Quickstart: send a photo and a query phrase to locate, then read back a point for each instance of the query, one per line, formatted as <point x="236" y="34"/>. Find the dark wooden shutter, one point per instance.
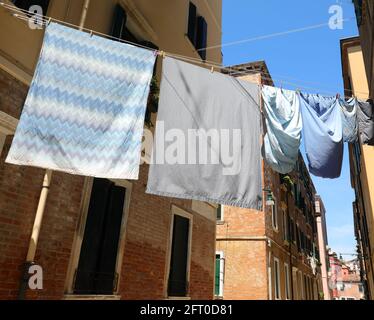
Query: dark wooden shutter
<point x="179" y="258"/>
<point x="26" y="4"/>
<point x="192" y="20"/>
<point x="98" y="257"/>
<point x="106" y="276"/>
<point x="202" y="37"/>
<point x="119" y="22"/>
<point x="90" y="249"/>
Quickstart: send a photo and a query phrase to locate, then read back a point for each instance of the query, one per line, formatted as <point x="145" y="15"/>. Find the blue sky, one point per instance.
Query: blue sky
<point x="309" y="59"/>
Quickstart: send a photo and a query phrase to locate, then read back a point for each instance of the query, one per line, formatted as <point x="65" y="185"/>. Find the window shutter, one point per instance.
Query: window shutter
<point x="192" y="19"/>
<point x="202" y="37"/>
<point x="179" y="258"/>
<point x="110" y="242"/>
<point x="90" y="250"/>
<point x="119" y="21"/>
<point x="218" y="273"/>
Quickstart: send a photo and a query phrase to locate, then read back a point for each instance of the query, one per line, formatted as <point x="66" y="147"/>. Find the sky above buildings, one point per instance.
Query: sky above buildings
<point x="308" y="60"/>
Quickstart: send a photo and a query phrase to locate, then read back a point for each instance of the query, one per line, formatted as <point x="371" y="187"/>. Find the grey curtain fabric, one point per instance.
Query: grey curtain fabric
<point x="193" y="98"/>
<point x="365" y="116"/>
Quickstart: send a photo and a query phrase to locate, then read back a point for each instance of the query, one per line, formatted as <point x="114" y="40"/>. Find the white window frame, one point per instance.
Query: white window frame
<point x="180" y="212"/>
<point x="274" y="216"/>
<point x="79" y="235"/>
<point x="277" y="282"/>
<point x="222" y="273"/>
<point x="287" y="282"/>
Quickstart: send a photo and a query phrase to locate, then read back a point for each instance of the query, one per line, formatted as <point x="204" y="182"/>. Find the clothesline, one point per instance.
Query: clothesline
<point x="87" y="126"/>
<point x="207" y="63"/>
<point x="273" y="35"/>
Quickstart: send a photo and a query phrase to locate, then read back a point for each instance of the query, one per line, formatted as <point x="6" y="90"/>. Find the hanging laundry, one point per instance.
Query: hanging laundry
<point x="207" y="144"/>
<point x="348" y="111"/>
<point x="366" y="121"/>
<point x="284" y="125"/>
<point x="84" y="113"/>
<point x="322" y="134"/>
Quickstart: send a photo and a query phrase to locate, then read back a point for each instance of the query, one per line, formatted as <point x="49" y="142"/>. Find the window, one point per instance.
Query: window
<point x="219" y="277"/>
<point x="298" y="238"/>
<point x="96" y="272"/>
<point x="179" y="259"/>
<point x="292" y="230"/>
<point x="197" y="31"/>
<point x="287" y="281"/>
<point x="286" y="227"/>
<point x="220" y="212"/>
<point x="301" y="286"/>
<point x="277" y="289"/>
<point x="274" y="215"/>
<point x="120" y="30"/>
<point x="306" y="288"/>
<point x="27" y="4"/>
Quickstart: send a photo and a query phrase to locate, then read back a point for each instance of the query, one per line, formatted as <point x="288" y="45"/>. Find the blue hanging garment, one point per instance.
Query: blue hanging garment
<point x="284" y="124"/>
<point x="323" y="134"/>
<point x="348" y="112"/>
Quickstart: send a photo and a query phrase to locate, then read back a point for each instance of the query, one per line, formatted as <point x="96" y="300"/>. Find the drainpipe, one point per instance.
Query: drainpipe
<point x="35" y="235"/>
<point x="42" y="202"/>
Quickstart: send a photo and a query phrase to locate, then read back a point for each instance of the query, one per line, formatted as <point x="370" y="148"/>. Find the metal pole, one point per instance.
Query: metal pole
<point x="35" y="234"/>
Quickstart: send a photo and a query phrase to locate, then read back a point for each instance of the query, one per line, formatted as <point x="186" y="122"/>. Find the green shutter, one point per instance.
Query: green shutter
<point x="218" y="273"/>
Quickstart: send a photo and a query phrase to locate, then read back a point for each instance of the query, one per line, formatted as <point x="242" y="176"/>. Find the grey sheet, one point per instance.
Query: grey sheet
<point x="192" y="97"/>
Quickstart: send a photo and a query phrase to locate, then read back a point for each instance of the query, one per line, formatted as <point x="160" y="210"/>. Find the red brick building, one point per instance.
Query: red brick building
<point x="273" y="253"/>
<point x="101" y="239"/>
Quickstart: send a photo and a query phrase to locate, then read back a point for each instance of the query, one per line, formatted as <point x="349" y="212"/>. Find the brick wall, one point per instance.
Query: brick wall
<point x="245" y="270"/>
<point x="143" y="272"/>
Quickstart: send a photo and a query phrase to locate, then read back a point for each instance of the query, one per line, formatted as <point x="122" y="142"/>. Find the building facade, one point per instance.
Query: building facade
<point x="270" y="254"/>
<point x="345" y="279"/>
<point x="323" y="245"/>
<point x="361" y="163"/>
<point x="102" y="239"/>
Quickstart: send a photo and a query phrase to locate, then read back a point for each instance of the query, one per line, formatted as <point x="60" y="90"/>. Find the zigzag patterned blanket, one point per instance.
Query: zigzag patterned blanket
<point x="84" y="113"/>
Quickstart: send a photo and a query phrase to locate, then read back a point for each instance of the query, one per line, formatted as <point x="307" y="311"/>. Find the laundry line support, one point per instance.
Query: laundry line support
<point x="30" y="259"/>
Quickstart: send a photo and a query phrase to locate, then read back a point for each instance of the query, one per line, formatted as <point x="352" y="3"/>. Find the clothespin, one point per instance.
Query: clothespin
<point x="338" y="96"/>
<point x="49" y="21"/>
<point x="212" y="70"/>
<point x="161" y="54"/>
<point x="91" y="33"/>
